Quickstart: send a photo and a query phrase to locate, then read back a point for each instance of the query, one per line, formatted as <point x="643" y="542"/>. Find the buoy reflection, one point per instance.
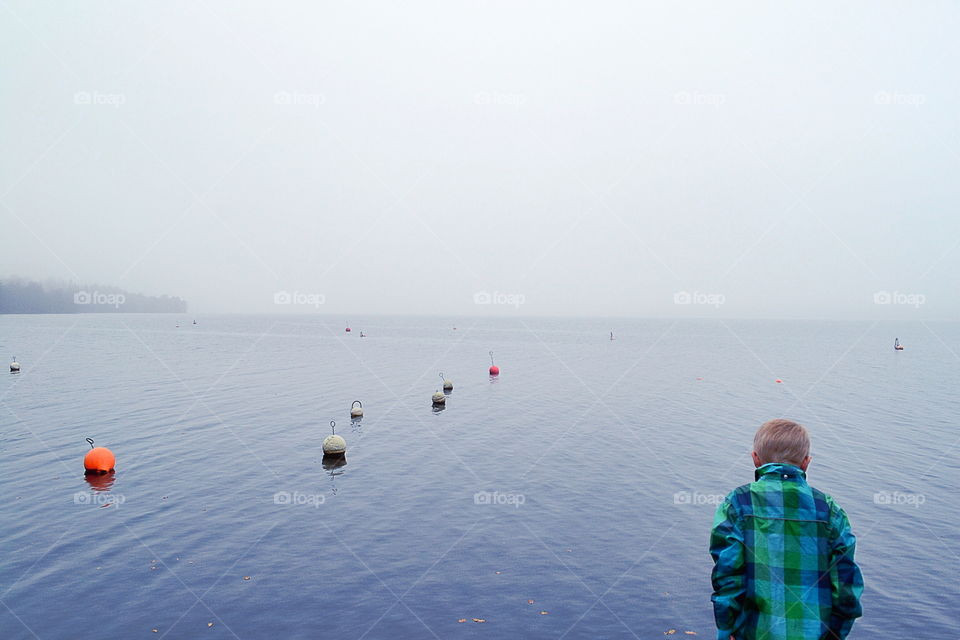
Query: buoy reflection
<point x="100" y="481"/>
<point x="331" y="463"/>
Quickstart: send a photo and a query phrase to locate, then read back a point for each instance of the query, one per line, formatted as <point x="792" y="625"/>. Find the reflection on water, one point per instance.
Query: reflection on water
<point x="333" y="465"/>
<point x="100" y="481"/>
<point x="356" y="427"/>
<point x="437" y="408"/>
<point x="330" y="463"/>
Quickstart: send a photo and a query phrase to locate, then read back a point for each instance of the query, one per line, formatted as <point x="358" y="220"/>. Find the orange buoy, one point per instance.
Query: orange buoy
<point x="98" y="459"/>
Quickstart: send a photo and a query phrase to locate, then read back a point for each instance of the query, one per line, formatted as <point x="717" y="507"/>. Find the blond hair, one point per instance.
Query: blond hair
<point x="781" y="440"/>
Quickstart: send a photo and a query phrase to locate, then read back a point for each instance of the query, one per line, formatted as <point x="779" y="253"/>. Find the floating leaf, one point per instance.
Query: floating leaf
<point x="462" y="620"/>
<point x="669" y="632"/>
<point x="246" y="577"/>
<point x="479" y="620"/>
<point x="690" y="633"/>
<point x="529" y="601"/>
<point x="209" y="624"/>
<point x="155" y="630"/>
<point x="544" y="613"/>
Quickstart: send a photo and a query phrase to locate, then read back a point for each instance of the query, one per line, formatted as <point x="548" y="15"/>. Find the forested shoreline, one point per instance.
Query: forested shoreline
<point x="19" y="295"/>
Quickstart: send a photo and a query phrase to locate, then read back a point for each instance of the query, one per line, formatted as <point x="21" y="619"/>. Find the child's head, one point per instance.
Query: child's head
<point x="781" y="441"/>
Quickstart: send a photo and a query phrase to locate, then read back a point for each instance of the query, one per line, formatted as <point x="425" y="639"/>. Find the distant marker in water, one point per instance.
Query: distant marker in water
<point x="447" y="384"/>
<point x="334" y="446"/>
<point x="494" y="369"/>
<point x="348" y="327"/>
<point x="14" y="366"/>
<point x="356" y="409"/>
<point x="98" y="460"/>
<point x="439" y="398"/>
<point x="778" y="381"/>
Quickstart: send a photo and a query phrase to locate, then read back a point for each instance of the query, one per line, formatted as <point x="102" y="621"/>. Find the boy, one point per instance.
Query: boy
<point x="782" y="550"/>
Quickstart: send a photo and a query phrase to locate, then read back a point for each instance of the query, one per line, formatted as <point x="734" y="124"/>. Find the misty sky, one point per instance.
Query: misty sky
<point x="584" y="158"/>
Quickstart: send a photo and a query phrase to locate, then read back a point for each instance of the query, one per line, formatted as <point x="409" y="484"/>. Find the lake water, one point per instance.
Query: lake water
<point x="583" y="478"/>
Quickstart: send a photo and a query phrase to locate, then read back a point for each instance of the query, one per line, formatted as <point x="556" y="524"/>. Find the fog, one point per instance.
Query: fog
<point x="594" y="159"/>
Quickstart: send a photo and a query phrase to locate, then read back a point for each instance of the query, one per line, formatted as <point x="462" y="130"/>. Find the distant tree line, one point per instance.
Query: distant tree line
<point x="18" y="295"/>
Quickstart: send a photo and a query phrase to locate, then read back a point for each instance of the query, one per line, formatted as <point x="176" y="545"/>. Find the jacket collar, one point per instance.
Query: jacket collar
<point x="780" y="469"/>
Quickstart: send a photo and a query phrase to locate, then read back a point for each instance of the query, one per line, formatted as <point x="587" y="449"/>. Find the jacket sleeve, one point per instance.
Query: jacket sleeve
<point x="846" y="581"/>
<point x="726" y="547"/>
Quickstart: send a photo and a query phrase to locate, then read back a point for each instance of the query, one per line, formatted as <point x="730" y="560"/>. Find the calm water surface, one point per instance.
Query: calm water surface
<point x="584" y="478"/>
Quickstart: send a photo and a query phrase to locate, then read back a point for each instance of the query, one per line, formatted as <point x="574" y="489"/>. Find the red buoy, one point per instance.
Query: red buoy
<point x="494" y="369"/>
<point x="98" y="459"/>
<point x="348" y="329"/>
<point x="778" y="380"/>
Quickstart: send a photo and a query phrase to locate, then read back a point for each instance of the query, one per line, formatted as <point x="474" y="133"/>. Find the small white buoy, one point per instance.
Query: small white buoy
<point x="439" y="398"/>
<point x="356" y="409"/>
<point x="14" y="366"/>
<point x="334" y="445"/>
<point x="447" y="384"/>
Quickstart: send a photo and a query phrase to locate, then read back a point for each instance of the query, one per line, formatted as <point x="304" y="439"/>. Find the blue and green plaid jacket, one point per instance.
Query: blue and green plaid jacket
<point x="783" y="561"/>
